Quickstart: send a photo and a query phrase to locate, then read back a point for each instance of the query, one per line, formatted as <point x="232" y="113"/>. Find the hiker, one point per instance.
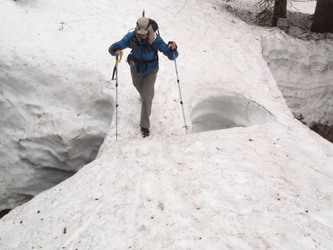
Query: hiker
<point x="143" y="60"/>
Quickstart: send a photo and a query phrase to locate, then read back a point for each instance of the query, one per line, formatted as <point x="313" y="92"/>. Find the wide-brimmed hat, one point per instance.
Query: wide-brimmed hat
<point x="142" y="26"/>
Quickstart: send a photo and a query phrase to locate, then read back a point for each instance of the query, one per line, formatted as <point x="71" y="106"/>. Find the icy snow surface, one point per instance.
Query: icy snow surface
<point x="247" y="175"/>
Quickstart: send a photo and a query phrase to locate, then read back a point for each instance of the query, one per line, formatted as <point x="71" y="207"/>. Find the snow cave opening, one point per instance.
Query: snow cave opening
<point x="227" y="111"/>
<point x="45" y="158"/>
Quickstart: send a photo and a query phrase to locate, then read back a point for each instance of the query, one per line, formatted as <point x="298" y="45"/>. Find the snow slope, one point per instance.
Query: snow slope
<point x="264" y="182"/>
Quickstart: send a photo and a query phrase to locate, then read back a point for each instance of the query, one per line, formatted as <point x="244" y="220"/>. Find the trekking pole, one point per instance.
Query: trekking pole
<point x="180" y="92"/>
<point x="119" y="55"/>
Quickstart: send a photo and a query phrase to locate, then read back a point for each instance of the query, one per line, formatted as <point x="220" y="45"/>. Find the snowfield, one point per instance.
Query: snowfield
<point x="244" y="175"/>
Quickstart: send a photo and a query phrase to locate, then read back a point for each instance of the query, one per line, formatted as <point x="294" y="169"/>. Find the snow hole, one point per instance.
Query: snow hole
<point x="48" y="132"/>
<point x="223" y="112"/>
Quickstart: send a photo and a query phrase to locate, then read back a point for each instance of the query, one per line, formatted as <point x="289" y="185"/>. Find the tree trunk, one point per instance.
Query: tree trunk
<point x="323" y="17"/>
<point x="280" y="11"/>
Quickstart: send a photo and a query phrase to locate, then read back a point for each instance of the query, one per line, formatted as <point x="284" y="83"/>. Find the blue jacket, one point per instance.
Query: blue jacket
<point x="144" y="55"/>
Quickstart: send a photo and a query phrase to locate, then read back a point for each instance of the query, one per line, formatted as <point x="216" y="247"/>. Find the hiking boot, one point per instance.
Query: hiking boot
<point x="144" y="132"/>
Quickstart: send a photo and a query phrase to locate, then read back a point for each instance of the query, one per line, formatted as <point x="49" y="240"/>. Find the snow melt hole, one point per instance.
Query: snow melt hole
<point x="43" y="158"/>
<point x="223" y="112"/>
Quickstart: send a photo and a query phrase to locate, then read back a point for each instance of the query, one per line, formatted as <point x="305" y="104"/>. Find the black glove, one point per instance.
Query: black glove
<point x="115" y="49"/>
<point x="169" y="44"/>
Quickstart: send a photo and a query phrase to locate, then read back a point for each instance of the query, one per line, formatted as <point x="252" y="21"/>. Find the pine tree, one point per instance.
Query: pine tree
<point x="271" y="11"/>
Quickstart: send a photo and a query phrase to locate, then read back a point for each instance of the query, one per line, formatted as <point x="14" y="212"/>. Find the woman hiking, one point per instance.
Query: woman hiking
<point x="143" y="60"/>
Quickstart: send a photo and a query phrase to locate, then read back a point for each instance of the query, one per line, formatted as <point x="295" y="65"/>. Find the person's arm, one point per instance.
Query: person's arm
<point x="122" y="44"/>
<point x="168" y="50"/>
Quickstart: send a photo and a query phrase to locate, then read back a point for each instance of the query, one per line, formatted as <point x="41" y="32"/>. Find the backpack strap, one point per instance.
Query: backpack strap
<point x="135" y="44"/>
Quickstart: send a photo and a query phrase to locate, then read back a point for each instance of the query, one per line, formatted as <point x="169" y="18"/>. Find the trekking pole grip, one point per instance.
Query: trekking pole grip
<point x="119" y="55"/>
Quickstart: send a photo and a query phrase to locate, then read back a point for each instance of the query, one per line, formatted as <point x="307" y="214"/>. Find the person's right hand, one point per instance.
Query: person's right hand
<point x="115" y="49"/>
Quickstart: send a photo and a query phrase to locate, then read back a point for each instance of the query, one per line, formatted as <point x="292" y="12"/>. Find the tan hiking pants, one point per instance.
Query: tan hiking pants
<point x="144" y="83"/>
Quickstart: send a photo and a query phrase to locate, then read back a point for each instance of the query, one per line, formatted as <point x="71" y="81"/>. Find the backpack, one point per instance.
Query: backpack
<point x="134" y="42"/>
<point x="154" y="25"/>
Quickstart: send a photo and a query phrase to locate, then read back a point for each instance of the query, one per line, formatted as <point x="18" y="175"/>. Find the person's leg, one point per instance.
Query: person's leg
<point x="147" y="95"/>
<point x="137" y="80"/>
<point x="145" y="86"/>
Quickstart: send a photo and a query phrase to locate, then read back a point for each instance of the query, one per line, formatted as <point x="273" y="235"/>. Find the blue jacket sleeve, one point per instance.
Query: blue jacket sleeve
<point x="123" y="43"/>
<point x="165" y="49"/>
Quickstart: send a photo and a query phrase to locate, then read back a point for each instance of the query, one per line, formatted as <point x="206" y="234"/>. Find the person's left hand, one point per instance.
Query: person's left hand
<point x="173" y="46"/>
